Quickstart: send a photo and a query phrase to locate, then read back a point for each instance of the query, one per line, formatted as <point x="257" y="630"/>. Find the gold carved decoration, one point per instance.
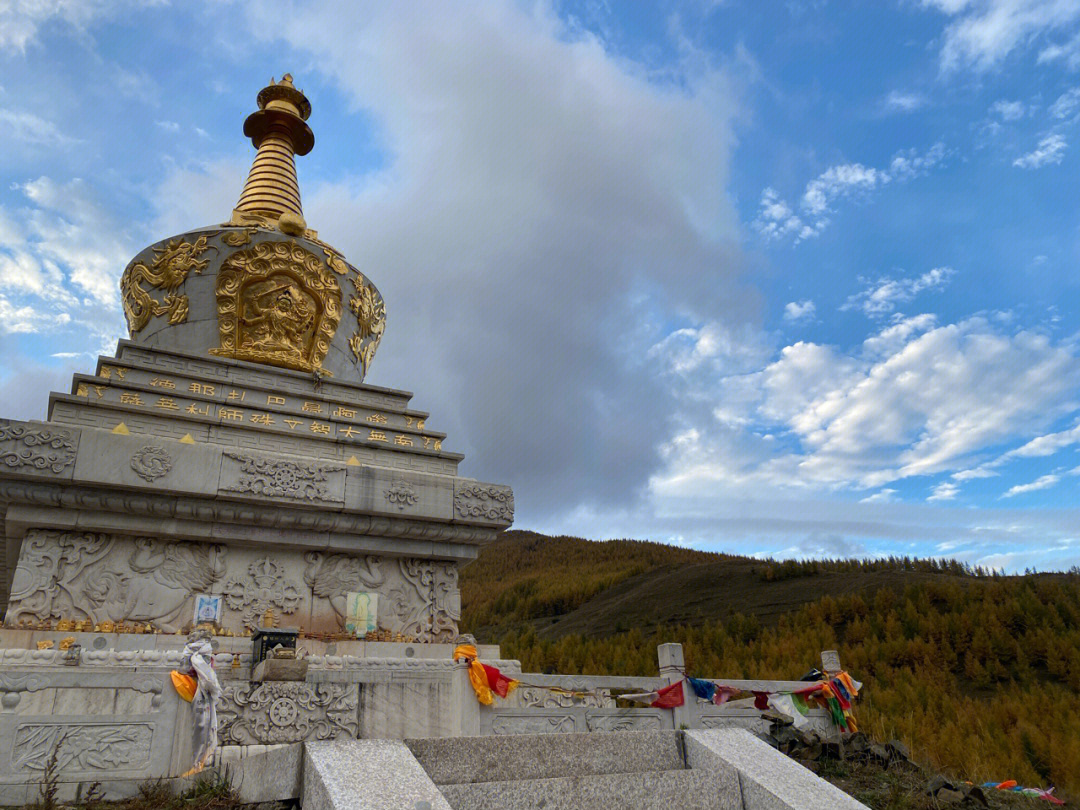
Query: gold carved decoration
<point x="238" y="238"/>
<point x="277" y="304"/>
<point x="337" y="264"/>
<point x="167" y="272"/>
<point x="370" y="311"/>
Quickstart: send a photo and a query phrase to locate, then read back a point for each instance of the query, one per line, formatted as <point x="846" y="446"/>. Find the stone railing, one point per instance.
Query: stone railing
<point x="589" y="703"/>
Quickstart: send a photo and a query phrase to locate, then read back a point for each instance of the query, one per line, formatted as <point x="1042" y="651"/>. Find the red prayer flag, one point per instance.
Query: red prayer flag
<point x="669" y="697"/>
<point x="499" y="683"/>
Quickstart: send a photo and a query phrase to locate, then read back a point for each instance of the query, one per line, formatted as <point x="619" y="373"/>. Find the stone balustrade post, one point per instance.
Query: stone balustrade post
<point x="672" y="670"/>
<point x="466" y="720"/>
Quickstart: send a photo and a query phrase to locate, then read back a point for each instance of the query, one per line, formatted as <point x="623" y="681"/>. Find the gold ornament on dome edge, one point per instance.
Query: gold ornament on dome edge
<point x="167" y="272"/>
<point x="370" y="311"/>
<point x="277" y="304"/>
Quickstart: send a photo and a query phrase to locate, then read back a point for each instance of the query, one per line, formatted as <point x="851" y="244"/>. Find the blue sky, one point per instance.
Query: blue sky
<point x="786" y="278"/>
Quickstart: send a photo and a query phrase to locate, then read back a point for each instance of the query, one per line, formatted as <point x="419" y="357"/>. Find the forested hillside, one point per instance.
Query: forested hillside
<point x="978" y="674"/>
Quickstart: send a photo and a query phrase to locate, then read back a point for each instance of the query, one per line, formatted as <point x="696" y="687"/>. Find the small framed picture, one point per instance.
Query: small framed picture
<point x="361" y="613"/>
<point x="207" y="609"/>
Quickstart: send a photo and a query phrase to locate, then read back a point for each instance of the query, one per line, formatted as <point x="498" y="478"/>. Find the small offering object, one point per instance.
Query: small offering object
<point x="45" y="645"/>
<point x="65" y="643"/>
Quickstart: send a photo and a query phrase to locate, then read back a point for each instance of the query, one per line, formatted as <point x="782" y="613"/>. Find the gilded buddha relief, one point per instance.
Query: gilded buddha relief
<point x="278" y="304"/>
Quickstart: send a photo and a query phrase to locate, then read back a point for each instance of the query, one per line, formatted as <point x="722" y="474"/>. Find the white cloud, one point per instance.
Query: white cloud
<point x="983" y="32"/>
<point x="882" y="296"/>
<point x="1050" y="150"/>
<point x="168" y="126"/>
<point x="1042" y="482"/>
<point x="778" y="220"/>
<point x="1066" y="104"/>
<point x="1008" y="110"/>
<point x="918" y="400"/>
<point x="574" y="204"/>
<point x="20" y="20"/>
<point x="884" y="495"/>
<point x="1067" y="52"/>
<point x="898" y="101"/>
<point x="944" y="491"/>
<point x="799" y="310"/>
<point x="28" y="128"/>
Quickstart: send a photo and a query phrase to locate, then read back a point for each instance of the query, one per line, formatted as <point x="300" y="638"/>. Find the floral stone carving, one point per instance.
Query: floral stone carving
<point x="43" y="448"/>
<point x="151" y="462"/>
<point x="282" y="479"/>
<point x="265" y="588"/>
<point x="489" y="503"/>
<point x="401" y="494"/>
<point x="286" y="712"/>
<point x="97" y="748"/>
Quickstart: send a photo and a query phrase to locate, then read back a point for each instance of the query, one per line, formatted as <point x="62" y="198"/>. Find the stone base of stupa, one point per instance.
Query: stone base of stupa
<point x="169" y="483"/>
<point x="112" y="716"/>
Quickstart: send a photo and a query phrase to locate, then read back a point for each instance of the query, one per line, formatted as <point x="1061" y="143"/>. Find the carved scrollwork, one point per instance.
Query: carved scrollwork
<point x="167" y="272"/>
<point x="401" y="494"/>
<point x="151" y="462"/>
<point x="265" y="588"/>
<point x="284" y="712"/>
<point x="487" y="502"/>
<point x="238" y="237"/>
<point x="428" y="605"/>
<point x="80" y="747"/>
<point x="43" y="448"/>
<point x="277" y="304"/>
<point x="548" y="699"/>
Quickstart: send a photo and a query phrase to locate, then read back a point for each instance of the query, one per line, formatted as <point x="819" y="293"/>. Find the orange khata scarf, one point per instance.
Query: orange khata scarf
<point x="486" y="681"/>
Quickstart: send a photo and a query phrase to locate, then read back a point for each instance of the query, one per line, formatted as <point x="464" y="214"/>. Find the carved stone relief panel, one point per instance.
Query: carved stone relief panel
<point x="273" y="477"/>
<point x="73" y="575"/>
<point x="44" y="448"/>
<point x="286" y="711"/>
<point x="265" y="585"/>
<point x="97" y="748"/>
<point x="485" y="502"/>
<point x="417" y="598"/>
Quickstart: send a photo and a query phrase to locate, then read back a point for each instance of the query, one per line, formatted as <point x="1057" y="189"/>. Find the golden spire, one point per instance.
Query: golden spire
<point x="278" y="131"/>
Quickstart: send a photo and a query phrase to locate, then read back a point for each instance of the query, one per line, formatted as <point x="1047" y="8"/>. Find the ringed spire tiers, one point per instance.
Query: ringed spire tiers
<point x="279" y="131"/>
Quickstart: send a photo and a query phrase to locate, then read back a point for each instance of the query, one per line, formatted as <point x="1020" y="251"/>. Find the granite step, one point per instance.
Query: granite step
<point x="650" y="790"/>
<point x="500" y="758"/>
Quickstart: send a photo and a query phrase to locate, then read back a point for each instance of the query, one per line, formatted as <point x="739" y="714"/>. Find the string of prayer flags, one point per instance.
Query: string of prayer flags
<point x="713" y="692"/>
<point x="785" y="704"/>
<point x="667" y="698"/>
<point x="486" y="681"/>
